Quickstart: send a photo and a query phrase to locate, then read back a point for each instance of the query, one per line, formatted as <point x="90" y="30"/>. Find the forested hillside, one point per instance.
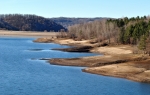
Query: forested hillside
<point x="64" y="21"/>
<point x="28" y="23"/>
<point x="134" y="31"/>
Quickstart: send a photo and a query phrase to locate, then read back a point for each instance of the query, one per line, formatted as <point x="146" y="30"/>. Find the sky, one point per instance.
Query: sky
<point x="77" y="8"/>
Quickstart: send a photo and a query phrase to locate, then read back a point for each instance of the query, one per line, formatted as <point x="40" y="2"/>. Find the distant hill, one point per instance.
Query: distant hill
<point x="65" y="22"/>
<point x="28" y="23"/>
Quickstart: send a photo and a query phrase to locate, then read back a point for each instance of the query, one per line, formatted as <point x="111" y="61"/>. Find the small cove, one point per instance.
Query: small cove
<point x="20" y="75"/>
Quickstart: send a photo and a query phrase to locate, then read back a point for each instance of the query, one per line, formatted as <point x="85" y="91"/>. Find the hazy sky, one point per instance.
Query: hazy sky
<point x="77" y="8"/>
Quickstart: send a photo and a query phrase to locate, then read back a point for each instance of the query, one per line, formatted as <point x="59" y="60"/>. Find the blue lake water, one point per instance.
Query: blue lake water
<point x="20" y="75"/>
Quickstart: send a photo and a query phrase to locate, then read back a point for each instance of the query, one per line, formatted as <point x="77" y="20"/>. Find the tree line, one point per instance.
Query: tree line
<point x="134" y="31"/>
<point x="21" y="22"/>
<point x="101" y="30"/>
<point x="66" y="21"/>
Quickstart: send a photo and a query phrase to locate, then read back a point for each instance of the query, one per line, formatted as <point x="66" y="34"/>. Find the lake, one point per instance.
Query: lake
<point x="22" y="73"/>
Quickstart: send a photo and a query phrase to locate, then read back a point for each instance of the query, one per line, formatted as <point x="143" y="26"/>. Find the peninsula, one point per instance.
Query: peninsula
<point x="116" y="61"/>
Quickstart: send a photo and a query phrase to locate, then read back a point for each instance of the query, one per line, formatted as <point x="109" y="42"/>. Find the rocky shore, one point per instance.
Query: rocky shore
<point x="117" y="61"/>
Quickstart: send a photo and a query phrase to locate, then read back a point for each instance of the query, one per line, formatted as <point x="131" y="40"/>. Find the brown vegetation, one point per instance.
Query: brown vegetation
<point x="18" y="22"/>
<point x="121" y="40"/>
<point x="134" y="70"/>
<point x="118" y="61"/>
<point x="101" y="30"/>
<point x="76" y="49"/>
<point x="95" y="61"/>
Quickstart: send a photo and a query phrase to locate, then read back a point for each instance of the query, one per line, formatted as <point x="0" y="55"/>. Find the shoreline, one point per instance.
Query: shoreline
<point x="4" y="33"/>
<point x="117" y="61"/>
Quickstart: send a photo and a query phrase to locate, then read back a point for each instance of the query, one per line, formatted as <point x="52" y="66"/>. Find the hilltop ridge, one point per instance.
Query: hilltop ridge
<point x="20" y="22"/>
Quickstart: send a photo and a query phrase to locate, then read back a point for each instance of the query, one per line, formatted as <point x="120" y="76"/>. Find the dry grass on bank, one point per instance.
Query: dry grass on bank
<point x="117" y="61"/>
<point x="27" y="34"/>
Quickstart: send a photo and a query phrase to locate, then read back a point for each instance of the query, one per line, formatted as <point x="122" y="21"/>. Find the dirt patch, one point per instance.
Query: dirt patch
<point x="131" y="70"/>
<point x="44" y="40"/>
<point x="123" y="49"/>
<point x="94" y="60"/>
<point x="76" y="49"/>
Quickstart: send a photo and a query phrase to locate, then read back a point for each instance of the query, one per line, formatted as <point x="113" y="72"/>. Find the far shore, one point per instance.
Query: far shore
<point x="117" y="60"/>
<point x="5" y="33"/>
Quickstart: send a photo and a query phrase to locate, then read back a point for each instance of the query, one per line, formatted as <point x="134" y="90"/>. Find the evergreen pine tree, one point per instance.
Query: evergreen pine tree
<point x="142" y="43"/>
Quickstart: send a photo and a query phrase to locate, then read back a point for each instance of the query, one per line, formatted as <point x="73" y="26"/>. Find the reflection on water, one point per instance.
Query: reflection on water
<point x="21" y="73"/>
<point x="35" y="49"/>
